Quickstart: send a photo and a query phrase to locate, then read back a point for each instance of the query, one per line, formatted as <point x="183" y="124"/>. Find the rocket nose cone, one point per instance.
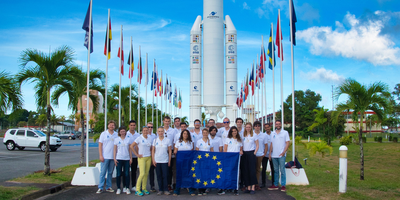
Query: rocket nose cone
<point x="196" y="25"/>
<point x="229" y="24"/>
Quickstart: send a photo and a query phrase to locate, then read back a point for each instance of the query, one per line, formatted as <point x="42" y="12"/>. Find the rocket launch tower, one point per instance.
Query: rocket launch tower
<point x="207" y="49"/>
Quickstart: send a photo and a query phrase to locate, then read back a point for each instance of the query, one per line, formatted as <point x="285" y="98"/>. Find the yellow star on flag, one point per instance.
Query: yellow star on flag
<point x="195" y="162"/>
<point x="212" y="181"/>
<point x="193" y="169"/>
<point x="199" y="157"/>
<point x="218" y="176"/>
<point x="219" y="163"/>
<point x="205" y="183"/>
<point x="207" y="155"/>
<point x="198" y="181"/>
<point x="219" y="170"/>
<point x="194" y="175"/>
<point x="214" y="158"/>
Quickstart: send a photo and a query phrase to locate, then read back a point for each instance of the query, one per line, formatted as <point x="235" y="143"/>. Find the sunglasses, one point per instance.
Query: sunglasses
<point x="226" y="122"/>
<point x="197" y="123"/>
<point x="149" y="127"/>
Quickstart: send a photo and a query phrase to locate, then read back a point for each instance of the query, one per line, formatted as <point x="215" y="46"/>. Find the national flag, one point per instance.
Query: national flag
<point x="121" y="54"/>
<point x="156" y="83"/>
<point x="257" y="82"/>
<point x="139" y="78"/>
<point x="176" y="97"/>
<point x="131" y="62"/>
<point x="166" y="88"/>
<point x="146" y="73"/>
<point x="160" y="86"/>
<point x="241" y="94"/>
<point x="269" y="51"/>
<point x="294" y="20"/>
<point x="263" y="58"/>
<point x="246" y="87"/>
<point x="85" y="27"/>
<point x="170" y="91"/>
<point x="203" y="169"/>
<point x="278" y="39"/>
<point x="252" y="80"/>
<point x="108" y="30"/>
<point x="180" y="100"/>
<point x="153" y="78"/>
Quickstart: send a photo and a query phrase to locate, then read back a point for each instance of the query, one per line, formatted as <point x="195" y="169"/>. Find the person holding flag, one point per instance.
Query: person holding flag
<point x="234" y="144"/>
<point x="183" y="144"/>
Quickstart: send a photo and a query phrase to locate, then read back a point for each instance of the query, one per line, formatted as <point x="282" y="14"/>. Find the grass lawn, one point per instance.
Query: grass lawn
<point x="381" y="162"/>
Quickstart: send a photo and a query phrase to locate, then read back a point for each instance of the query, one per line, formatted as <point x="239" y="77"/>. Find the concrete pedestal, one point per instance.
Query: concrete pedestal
<point x="86" y="176"/>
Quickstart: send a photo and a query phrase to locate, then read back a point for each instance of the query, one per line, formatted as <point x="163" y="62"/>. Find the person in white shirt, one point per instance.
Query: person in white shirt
<point x="177" y="124"/>
<point x="184" y="143"/>
<point x="106" y="149"/>
<point x="170" y="134"/>
<point x="122" y="159"/>
<point x="223" y="132"/>
<point x="216" y="142"/>
<point x="144" y="143"/>
<point x="262" y="150"/>
<point x="132" y="135"/>
<point x="161" y="154"/>
<point x="183" y="126"/>
<point x="250" y="148"/>
<point x="265" y="161"/>
<point x="204" y="144"/>
<point x="152" y="168"/>
<point x="210" y="123"/>
<point x="233" y="144"/>
<point x="239" y="125"/>
<point x="277" y="153"/>
<point x="196" y="133"/>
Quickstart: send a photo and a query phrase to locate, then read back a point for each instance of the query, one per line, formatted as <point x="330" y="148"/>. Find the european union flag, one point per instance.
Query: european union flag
<point x="203" y="169"/>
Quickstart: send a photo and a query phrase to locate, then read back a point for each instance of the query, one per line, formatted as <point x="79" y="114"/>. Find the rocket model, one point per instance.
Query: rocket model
<point x="211" y="55"/>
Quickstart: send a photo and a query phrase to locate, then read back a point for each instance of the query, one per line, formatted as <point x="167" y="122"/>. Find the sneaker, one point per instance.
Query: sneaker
<point x="247" y="191"/>
<point x="175" y="194"/>
<point x="109" y="190"/>
<point x="257" y="187"/>
<point x="252" y="192"/>
<point x="221" y="192"/>
<point x="159" y="193"/>
<point x="236" y="193"/>
<point x="169" y="188"/>
<point x="167" y="193"/>
<point x="123" y="190"/>
<point x="193" y="194"/>
<point x="118" y="191"/>
<point x="99" y="191"/>
<point x="204" y="193"/>
<point x="207" y="190"/>
<point x="283" y="189"/>
<point x="134" y="189"/>
<point x="273" y="187"/>
<point x="199" y="194"/>
<point x="152" y="189"/>
<point x="138" y="193"/>
<point x="128" y="191"/>
<point x="146" y="192"/>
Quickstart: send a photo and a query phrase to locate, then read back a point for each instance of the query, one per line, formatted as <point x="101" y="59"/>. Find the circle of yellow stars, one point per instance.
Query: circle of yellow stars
<point x="212" y="181"/>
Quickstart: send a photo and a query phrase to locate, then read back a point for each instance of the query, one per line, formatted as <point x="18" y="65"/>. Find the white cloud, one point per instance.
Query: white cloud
<point x="324" y="75"/>
<point x="245" y="6"/>
<point x="363" y="41"/>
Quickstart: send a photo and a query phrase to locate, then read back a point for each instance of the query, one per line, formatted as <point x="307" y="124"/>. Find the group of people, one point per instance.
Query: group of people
<point x="127" y="150"/>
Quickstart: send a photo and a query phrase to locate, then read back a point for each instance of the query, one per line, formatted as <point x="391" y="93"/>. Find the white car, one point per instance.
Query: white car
<point x="24" y="137"/>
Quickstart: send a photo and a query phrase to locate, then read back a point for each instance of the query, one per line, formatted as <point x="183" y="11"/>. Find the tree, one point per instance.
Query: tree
<point x="41" y="120"/>
<point x="319" y="147"/>
<point x="51" y="71"/>
<point x="320" y="120"/>
<point x="17" y="116"/>
<point x="185" y="119"/>
<point x="113" y="103"/>
<point x="54" y="120"/>
<point x="360" y="99"/>
<point x="10" y="93"/>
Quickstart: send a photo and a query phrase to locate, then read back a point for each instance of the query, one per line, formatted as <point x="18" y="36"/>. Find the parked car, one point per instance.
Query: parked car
<point x="24" y="137"/>
<point x="66" y="135"/>
<point x="78" y="134"/>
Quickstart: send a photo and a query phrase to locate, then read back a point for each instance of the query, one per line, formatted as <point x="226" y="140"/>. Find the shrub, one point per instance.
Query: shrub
<point x="346" y="140"/>
<point x="390" y="137"/>
<point x="376" y="138"/>
<point x="380" y="139"/>
<point x="395" y="139"/>
<point x="364" y="139"/>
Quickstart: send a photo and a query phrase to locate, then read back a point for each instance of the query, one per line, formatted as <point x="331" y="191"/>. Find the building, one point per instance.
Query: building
<point x="368" y="125"/>
<point x="91" y="113"/>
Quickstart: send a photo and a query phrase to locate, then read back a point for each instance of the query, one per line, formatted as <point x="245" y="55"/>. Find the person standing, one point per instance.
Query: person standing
<point x="262" y="148"/>
<point x="183" y="144"/>
<point x="265" y="161"/>
<point x="177" y="125"/>
<point x="216" y="142"/>
<point x="239" y="125"/>
<point x="233" y="144"/>
<point x="122" y="159"/>
<point x="277" y="153"/>
<point x="144" y="160"/>
<point x="152" y="168"/>
<point x="250" y="148"/>
<point x="161" y="154"/>
<point x="223" y="132"/>
<point x="106" y="149"/>
<point x="196" y="132"/>
<point x="170" y="134"/>
<point x="132" y="135"/>
<point x="204" y="144"/>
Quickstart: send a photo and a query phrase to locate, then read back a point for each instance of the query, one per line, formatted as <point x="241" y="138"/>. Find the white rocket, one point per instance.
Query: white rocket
<point x="213" y="26"/>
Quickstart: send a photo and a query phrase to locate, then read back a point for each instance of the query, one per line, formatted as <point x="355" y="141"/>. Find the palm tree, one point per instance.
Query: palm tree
<point x="185" y="119"/>
<point x="41" y="120"/>
<point x="360" y="99"/>
<point x="113" y="103"/>
<point x="10" y="93"/>
<point x="54" y="120"/>
<point x="320" y="120"/>
<point x="319" y="147"/>
<point x="51" y="71"/>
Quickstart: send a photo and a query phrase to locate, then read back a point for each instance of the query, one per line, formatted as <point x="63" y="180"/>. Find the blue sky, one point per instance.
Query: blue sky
<point x="335" y="41"/>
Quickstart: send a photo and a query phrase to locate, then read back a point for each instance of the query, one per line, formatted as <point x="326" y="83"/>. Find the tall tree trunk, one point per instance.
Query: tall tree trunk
<point x="47" y="151"/>
<point x="361" y="148"/>
<point x="81" y="163"/>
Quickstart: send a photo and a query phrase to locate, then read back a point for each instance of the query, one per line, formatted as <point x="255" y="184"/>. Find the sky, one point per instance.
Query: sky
<point x="345" y="39"/>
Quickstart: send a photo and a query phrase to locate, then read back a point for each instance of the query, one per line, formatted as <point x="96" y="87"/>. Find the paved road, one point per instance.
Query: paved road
<point x="19" y="163"/>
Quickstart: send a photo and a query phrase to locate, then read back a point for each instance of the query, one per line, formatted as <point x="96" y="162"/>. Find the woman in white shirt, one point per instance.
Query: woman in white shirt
<point x="161" y="154"/>
<point x="122" y="159"/>
<point x="250" y="148"/>
<point x="183" y="144"/>
<point x="144" y="160"/>
<point x="233" y="143"/>
<point x="204" y="144"/>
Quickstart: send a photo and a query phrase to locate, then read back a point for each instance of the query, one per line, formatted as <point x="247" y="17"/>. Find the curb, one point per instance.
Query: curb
<point x="47" y="191"/>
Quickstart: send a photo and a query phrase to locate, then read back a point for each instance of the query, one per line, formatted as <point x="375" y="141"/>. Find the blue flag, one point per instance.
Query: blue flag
<point x="294" y="20"/>
<point x="86" y="28"/>
<point x="269" y="51"/>
<point x="202" y="169"/>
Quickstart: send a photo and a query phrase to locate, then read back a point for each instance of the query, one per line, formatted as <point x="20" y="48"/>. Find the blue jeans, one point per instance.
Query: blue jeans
<point x="123" y="164"/>
<point x="178" y="191"/>
<point x="162" y="175"/>
<point x="106" y="167"/>
<point x="279" y="165"/>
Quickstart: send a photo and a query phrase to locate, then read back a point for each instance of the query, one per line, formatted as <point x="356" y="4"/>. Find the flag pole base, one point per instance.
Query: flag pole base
<point x="86" y="176"/>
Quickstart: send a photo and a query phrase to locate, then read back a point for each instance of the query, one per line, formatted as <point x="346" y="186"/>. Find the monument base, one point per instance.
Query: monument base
<point x="86" y="176"/>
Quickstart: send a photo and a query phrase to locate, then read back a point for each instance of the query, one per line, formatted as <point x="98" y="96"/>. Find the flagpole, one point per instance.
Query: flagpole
<point x="130" y="90"/>
<point x="87" y="85"/>
<point x="262" y="86"/>
<point x="152" y="94"/>
<point x="165" y="94"/>
<point x="160" y="92"/>
<point x="273" y="76"/>
<point x="281" y="53"/>
<point x="293" y="105"/>
<point x="139" y="81"/>
<point x="106" y="87"/>
<point x="147" y="76"/>
<point x="253" y="92"/>
<point x="258" y="91"/>
<point x="119" y="92"/>
<point x="156" y="93"/>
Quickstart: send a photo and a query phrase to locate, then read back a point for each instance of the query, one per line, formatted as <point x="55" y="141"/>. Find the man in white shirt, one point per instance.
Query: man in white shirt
<point x="277" y="153"/>
<point x="196" y="134"/>
<point x="239" y="125"/>
<point x="170" y="134"/>
<point x="106" y="156"/>
<point x="262" y="148"/>
<point x="223" y="132"/>
<point x="177" y="124"/>
<point x="132" y="135"/>
<point x="211" y="122"/>
<point x="216" y="142"/>
<point x="267" y="129"/>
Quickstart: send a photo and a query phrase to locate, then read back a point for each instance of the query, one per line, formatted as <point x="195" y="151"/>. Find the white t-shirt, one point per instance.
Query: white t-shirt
<point x="177" y="136"/>
<point x="170" y="134"/>
<point x="268" y="137"/>
<point x="279" y="142"/>
<point x="196" y="137"/>
<point x="107" y="140"/>
<point x="184" y="146"/>
<point x="161" y="150"/>
<point x="241" y="133"/>
<point x="249" y="142"/>
<point x="132" y="137"/>
<point x="144" y="145"/>
<point x="223" y="133"/>
<point x="262" y="140"/>
<point x="233" y="145"/>
<point x="216" y="143"/>
<point x="203" y="146"/>
<point x="122" y="148"/>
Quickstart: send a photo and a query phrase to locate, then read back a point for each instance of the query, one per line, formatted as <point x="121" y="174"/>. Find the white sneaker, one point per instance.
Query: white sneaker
<point x="99" y="191"/>
<point x="118" y="191"/>
<point x="128" y="191"/>
<point x="134" y="189"/>
<point x="123" y="190"/>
